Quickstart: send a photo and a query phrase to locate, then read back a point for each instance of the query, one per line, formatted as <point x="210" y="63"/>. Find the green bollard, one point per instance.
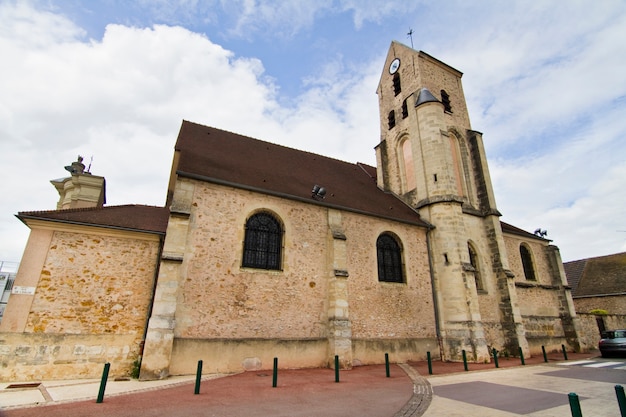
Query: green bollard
<point x="464" y="360"/>
<point x="430" y="364"/>
<point x="275" y="373"/>
<point x="545" y="357"/>
<point x="574" y="405"/>
<point x="103" y="382"/>
<point x="196" y="391"/>
<point x="521" y="355"/>
<point x="495" y="357"/>
<point x="336" y="368"/>
<point x="387" y="364"/>
<point x="621" y="399"/>
<point x="564" y="352"/>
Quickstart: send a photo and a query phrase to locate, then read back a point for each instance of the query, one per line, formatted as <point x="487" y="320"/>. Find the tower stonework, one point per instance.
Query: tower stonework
<point x="430" y="157"/>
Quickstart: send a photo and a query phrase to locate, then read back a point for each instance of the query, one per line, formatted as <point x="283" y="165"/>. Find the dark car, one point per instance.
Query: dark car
<point x="613" y="343"/>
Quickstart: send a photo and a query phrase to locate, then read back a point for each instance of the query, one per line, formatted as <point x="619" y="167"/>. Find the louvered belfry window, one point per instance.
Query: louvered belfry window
<point x="389" y="259"/>
<point x="263" y="242"/>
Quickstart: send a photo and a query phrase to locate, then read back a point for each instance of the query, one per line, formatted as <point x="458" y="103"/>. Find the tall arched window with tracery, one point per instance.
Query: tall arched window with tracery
<point x="527" y="262"/>
<point x="262" y="245"/>
<point x="389" y="254"/>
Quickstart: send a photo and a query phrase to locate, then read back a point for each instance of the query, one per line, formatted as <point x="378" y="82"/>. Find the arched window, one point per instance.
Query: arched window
<point x="396" y="84"/>
<point x="527" y="262"/>
<point x="389" y="259"/>
<point x="445" y="100"/>
<point x="263" y="242"/>
<point x="475" y="264"/>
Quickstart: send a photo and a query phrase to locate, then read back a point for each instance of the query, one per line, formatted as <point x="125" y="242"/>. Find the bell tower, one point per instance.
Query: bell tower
<point x="430" y="157"/>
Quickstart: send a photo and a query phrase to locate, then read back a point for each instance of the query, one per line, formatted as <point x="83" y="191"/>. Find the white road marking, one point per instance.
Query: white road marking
<point x="603" y="364"/>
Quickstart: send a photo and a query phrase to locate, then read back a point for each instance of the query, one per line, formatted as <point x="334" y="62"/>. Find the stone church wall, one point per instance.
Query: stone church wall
<point x="393" y="317"/>
<point x="90" y="307"/>
<point x="540" y="301"/>
<point x="228" y="315"/>
<point x="590" y="331"/>
<point x="220" y="299"/>
<point x="240" y="318"/>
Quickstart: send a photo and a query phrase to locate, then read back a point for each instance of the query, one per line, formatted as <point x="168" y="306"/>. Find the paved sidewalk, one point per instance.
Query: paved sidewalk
<point x="538" y="390"/>
<point x="362" y="391"/>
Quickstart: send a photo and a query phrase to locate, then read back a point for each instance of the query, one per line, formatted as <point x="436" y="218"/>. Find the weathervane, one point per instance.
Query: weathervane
<point x="410" y="35"/>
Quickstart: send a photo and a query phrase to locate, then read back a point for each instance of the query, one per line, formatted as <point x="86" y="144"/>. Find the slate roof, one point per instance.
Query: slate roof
<point x="130" y="217"/>
<point x="222" y="157"/>
<point x="603" y="275"/>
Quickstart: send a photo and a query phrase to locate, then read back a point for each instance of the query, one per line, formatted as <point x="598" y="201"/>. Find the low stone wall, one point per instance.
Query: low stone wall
<point x="236" y="355"/>
<point x="372" y="351"/>
<point x="590" y="332"/>
<point x="29" y="357"/>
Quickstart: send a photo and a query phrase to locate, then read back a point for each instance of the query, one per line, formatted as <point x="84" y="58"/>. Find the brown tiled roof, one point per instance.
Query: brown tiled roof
<point x="603" y="275"/>
<point x="140" y="218"/>
<point x="227" y="158"/>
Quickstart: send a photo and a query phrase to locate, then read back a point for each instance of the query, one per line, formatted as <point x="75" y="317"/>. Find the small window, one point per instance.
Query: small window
<point x="262" y="242"/>
<point x="527" y="262"/>
<point x="396" y="84"/>
<point x="474" y="262"/>
<point x="389" y="255"/>
<point x="445" y="99"/>
<point x="392" y="119"/>
<point x="405" y="110"/>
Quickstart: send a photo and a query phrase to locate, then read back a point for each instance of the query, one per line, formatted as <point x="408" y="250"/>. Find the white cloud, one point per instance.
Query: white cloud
<point x="122" y="99"/>
<point x="543" y="82"/>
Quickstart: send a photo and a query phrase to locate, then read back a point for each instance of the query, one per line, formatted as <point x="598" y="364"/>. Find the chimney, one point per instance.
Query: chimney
<point x="81" y="189"/>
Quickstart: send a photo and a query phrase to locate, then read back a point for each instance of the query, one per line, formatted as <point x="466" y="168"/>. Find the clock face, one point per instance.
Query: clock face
<point x="395" y="64"/>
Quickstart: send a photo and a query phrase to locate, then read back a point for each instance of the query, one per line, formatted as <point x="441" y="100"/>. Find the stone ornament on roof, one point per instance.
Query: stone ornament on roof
<point x="77" y="167"/>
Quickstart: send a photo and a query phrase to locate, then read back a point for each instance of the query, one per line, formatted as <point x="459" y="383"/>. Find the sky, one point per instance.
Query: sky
<point x="112" y="80"/>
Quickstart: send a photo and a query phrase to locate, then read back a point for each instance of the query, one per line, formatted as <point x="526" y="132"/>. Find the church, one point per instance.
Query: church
<point x="264" y="251"/>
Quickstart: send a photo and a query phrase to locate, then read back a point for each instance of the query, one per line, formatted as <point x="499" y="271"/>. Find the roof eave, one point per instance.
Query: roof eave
<point x="24" y="218"/>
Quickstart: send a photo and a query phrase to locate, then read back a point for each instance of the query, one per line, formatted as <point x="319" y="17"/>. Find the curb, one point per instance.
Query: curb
<point x="422" y="394"/>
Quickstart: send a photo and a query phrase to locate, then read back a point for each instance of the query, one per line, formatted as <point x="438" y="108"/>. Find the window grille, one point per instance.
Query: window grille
<point x="263" y="242"/>
<point x="389" y="259"/>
